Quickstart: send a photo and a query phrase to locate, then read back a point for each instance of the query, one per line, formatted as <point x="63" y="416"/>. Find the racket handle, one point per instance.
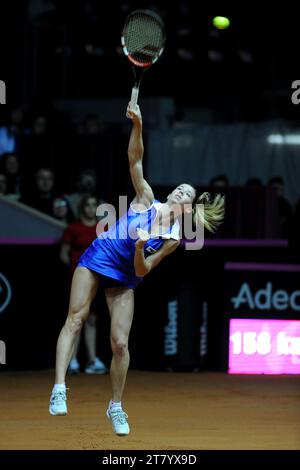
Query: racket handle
<point x="134" y="96"/>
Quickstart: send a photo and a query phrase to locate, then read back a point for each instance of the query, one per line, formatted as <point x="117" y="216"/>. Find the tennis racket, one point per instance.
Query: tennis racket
<point x="143" y="40"/>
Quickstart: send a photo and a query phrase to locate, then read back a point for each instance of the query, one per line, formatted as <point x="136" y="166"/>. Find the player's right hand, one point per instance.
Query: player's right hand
<point x="134" y="113"/>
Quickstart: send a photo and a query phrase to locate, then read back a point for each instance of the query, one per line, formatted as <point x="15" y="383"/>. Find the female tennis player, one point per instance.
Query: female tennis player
<point x="118" y="260"/>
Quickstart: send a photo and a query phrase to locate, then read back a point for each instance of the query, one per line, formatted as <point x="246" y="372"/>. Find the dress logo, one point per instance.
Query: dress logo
<point x="150" y="249"/>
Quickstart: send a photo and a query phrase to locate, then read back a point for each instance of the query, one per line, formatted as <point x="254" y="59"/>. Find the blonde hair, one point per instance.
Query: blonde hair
<point x="214" y="211"/>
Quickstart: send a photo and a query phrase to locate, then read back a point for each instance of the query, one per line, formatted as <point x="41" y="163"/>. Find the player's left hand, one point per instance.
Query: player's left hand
<point x="143" y="238"/>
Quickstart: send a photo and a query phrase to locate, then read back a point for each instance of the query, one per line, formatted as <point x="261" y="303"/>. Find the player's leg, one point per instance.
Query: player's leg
<point x="120" y="303"/>
<point x="83" y="290"/>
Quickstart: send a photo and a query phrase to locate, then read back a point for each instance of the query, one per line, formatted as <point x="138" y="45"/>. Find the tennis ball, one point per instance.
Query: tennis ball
<point x="221" y="22"/>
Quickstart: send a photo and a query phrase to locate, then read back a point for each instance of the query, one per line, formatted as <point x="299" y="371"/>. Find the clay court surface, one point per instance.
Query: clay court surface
<point x="166" y="411"/>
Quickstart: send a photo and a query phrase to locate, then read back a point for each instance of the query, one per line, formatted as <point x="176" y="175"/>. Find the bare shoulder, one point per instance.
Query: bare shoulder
<point x="143" y="202"/>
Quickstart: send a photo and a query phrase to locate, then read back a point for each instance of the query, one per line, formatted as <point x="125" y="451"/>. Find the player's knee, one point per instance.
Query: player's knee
<point x="119" y="346"/>
<point x="76" y="319"/>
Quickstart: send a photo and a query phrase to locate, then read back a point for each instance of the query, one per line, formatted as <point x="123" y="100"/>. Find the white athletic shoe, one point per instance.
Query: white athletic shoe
<point x="58" y="403"/>
<point x="96" y="367"/>
<point x="119" y="421"/>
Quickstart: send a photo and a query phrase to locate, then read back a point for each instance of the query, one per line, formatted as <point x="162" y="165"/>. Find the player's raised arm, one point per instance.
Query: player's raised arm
<point x="143" y="191"/>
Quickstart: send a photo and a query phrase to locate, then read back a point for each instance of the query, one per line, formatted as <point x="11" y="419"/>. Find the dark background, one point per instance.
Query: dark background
<point x="65" y="49"/>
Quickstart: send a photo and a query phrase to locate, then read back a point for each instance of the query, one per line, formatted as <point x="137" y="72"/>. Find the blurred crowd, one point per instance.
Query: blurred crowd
<point x="289" y="215"/>
<point x="43" y="195"/>
<point x="27" y="173"/>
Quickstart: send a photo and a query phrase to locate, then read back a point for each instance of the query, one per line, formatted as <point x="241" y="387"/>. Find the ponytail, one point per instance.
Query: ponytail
<point x="214" y="211"/>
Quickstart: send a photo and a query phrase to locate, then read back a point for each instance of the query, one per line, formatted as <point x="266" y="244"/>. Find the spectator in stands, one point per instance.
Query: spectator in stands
<point x="91" y="125"/>
<point x="76" y="239"/>
<point x="86" y="183"/>
<point x="39" y="125"/>
<point x="3" y="184"/>
<point x="220" y="181"/>
<point x="7" y="141"/>
<point x="10" y="165"/>
<point x="9" y="135"/>
<point x="284" y="207"/>
<point x="43" y="193"/>
<point x="62" y="210"/>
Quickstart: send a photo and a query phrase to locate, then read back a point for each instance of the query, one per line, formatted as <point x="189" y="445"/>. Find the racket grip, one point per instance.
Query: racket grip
<point x="134" y="96"/>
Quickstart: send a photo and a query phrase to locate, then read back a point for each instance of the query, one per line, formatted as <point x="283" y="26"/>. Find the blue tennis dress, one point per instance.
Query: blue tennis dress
<point x="112" y="253"/>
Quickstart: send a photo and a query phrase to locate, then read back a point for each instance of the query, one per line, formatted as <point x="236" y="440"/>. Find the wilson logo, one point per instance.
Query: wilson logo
<point x="2" y="353"/>
<point x="171" y="335"/>
<point x="2" y="92"/>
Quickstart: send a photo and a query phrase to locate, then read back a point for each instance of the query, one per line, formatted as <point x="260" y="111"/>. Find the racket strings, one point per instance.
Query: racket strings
<point x="144" y="39"/>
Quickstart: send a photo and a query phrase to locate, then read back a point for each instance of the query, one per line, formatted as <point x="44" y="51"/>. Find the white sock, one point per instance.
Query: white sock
<point x="115" y="404"/>
<point x="59" y="387"/>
